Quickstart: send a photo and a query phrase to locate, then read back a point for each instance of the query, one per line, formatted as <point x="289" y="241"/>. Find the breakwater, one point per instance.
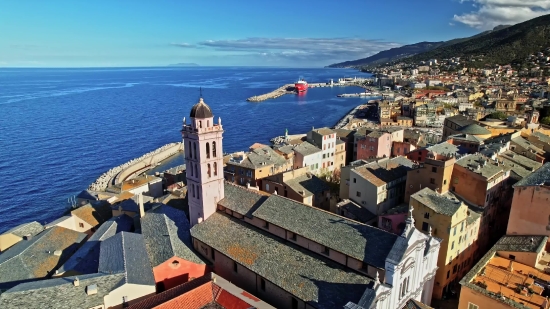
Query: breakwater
<point x="285" y="89"/>
<point x="135" y="166"/>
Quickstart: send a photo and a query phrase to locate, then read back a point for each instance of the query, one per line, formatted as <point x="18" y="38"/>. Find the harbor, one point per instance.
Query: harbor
<point x="290" y="88"/>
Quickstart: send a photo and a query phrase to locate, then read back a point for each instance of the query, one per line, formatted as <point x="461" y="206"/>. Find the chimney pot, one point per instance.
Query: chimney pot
<point x="76" y="282"/>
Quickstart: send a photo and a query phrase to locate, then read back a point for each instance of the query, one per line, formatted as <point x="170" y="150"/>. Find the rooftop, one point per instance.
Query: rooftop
<point x="241" y="200"/>
<point x="383" y="171"/>
<point x="474" y="129"/>
<point x="540" y="177"/>
<point x="166" y="234"/>
<point x="481" y="165"/>
<point x="308" y="184"/>
<point x="125" y="253"/>
<point x="436" y="202"/>
<point x="306" y="149"/>
<point x="363" y="242"/>
<point x="361" y="214"/>
<point x="459" y="120"/>
<point x="324" y="131"/>
<point x="91" y="215"/>
<point x="310" y="277"/>
<point x="86" y="259"/>
<point x="138" y="182"/>
<point x="26" y="229"/>
<point x="38" y="257"/>
<point x="60" y="293"/>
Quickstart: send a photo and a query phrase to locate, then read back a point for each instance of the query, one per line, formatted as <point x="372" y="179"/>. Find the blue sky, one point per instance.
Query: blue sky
<point x="298" y="33"/>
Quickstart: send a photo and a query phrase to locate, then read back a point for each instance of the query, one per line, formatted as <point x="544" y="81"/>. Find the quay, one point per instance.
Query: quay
<point x="286" y="89"/>
<point x="135" y="167"/>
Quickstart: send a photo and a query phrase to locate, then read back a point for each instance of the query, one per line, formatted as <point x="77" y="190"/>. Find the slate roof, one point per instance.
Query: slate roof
<point x="87" y="195"/>
<point x="475" y="129"/>
<point x="466" y="137"/>
<point x="360" y="241"/>
<point x="436" y="202"/>
<point x="126" y="253"/>
<point x="343" y="133"/>
<point x="132" y="205"/>
<point x="361" y="214"/>
<point x="86" y="259"/>
<point x="383" y="171"/>
<point x="89" y="215"/>
<point x="522" y="142"/>
<point x="324" y="131"/>
<point x="60" y="293"/>
<point x="415" y="304"/>
<point x="318" y="281"/>
<point x="166" y="234"/>
<point x="310" y="185"/>
<point x="56" y="222"/>
<point x="306" y="149"/>
<point x="472" y="217"/>
<point x="25" y="229"/>
<point x="444" y="148"/>
<point x="240" y="199"/>
<point x="460" y="120"/>
<point x="260" y="157"/>
<point x="540" y="177"/>
<point x="35" y="258"/>
<point x="542" y="137"/>
<point x="474" y="162"/>
<point x="521" y="243"/>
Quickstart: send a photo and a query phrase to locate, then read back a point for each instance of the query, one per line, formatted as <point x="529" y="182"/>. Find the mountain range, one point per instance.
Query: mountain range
<point x="406" y="51"/>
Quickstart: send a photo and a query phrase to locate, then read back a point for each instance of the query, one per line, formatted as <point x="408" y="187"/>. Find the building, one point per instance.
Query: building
<point x="209" y="291"/>
<point x="84" y="219"/>
<point x="512" y="275"/>
<point x="394" y="219"/>
<point x="454" y="124"/>
<point x="301" y="186"/>
<point x="126" y="254"/>
<point x="39" y="256"/>
<point x="353" y="211"/>
<point x="308" y="155"/>
<point x="403" y="121"/>
<point x="250" y="167"/>
<point x="269" y="245"/>
<point x="457" y="227"/>
<point x="433" y="174"/>
<point x="86" y="259"/>
<point x="204" y="159"/>
<point x="340" y="154"/>
<point x="325" y="139"/>
<point x="529" y="214"/>
<point x="18" y="233"/>
<point x="174" y="261"/>
<point x="373" y="144"/>
<point x="379" y="186"/>
<point x="483" y="184"/>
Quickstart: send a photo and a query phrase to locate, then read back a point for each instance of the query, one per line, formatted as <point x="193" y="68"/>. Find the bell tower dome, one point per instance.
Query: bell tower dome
<point x="202" y="140"/>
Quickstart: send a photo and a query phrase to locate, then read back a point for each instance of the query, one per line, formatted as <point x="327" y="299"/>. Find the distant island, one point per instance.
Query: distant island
<point x="184" y="65"/>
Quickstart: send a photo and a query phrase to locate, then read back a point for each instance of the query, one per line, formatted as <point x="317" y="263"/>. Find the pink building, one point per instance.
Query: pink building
<point x="393" y="220"/>
<point x="401" y="148"/>
<point x="375" y="144"/>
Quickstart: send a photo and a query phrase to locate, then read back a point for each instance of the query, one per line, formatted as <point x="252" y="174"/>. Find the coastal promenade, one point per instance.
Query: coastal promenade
<point x="289" y="89"/>
<point x="135" y="167"/>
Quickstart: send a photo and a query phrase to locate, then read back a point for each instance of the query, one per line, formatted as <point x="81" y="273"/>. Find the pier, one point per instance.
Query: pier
<point x="135" y="167"/>
<point x="286" y="89"/>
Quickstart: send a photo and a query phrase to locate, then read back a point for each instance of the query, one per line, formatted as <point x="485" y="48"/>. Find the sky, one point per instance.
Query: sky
<point x="297" y="33"/>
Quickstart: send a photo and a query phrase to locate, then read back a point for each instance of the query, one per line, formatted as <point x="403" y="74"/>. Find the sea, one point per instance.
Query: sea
<point x="62" y="128"/>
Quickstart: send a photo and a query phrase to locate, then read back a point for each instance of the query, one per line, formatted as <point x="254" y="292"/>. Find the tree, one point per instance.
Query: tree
<point x="498" y="115"/>
<point x="545" y="120"/>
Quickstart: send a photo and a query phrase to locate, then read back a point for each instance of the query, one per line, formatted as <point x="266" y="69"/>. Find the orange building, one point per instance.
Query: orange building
<point x="511" y="275"/>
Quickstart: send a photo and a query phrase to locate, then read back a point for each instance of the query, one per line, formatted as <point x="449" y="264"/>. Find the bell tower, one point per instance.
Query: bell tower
<point x="204" y="162"/>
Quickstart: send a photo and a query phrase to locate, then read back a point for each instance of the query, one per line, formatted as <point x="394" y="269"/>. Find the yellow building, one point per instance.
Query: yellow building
<point x="513" y="274"/>
<point x="475" y="96"/>
<point x="457" y="226"/>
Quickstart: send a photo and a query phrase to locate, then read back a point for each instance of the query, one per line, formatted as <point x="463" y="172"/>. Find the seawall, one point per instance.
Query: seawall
<point x="135" y="167"/>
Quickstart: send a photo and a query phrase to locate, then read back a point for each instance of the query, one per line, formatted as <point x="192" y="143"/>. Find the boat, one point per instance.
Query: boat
<point x="300" y="85"/>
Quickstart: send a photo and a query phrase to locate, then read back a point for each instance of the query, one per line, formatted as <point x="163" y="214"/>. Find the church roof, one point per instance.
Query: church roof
<point x="475" y="129"/>
<point x="201" y="110"/>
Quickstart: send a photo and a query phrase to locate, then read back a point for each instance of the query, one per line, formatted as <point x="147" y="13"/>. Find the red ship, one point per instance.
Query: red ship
<point x="300" y="85"/>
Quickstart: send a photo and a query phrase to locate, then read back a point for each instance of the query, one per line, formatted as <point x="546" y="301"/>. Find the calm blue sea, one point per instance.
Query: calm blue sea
<point x="61" y="128"/>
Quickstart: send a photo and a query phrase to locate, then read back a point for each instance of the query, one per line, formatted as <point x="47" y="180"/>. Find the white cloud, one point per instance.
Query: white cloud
<point x="491" y="13"/>
<point x="183" y="45"/>
<point x="316" y="51"/>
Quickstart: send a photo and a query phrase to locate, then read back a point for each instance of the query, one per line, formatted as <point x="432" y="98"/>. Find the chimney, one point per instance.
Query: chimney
<point x="141" y="208"/>
<point x="91" y="289"/>
<point x="511" y="266"/>
<point x="76" y="282"/>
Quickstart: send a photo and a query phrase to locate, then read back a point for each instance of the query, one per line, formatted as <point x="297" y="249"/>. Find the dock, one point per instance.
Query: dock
<point x="285" y="89"/>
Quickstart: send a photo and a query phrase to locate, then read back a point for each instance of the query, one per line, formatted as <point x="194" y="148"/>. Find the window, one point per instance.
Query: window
<point x="454" y="231"/>
<point x="190" y="151"/>
<point x="195" y="150"/>
<point x="452" y="245"/>
<point x="444" y="181"/>
<point x="292" y="236"/>
<point x="432" y="181"/>
<point x="425" y="226"/>
<point x="295" y="304"/>
<point x="326" y="251"/>
<point x="472" y="306"/>
<point x="215" y="169"/>
<point x="434" y="169"/>
<point x="427" y="215"/>
<point x="267" y="187"/>
<point x="454" y="269"/>
<point x="209" y="171"/>
<point x="81" y="225"/>
<point x="266" y="225"/>
<point x="354" y="180"/>
<point x="448" y="273"/>
<point x="235" y="267"/>
<point x="358" y="194"/>
<point x="196" y="171"/>
<point x="262" y="284"/>
<point x="213" y="254"/>
<point x="208" y="150"/>
<point x="512" y="257"/>
<point x="214" y="149"/>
